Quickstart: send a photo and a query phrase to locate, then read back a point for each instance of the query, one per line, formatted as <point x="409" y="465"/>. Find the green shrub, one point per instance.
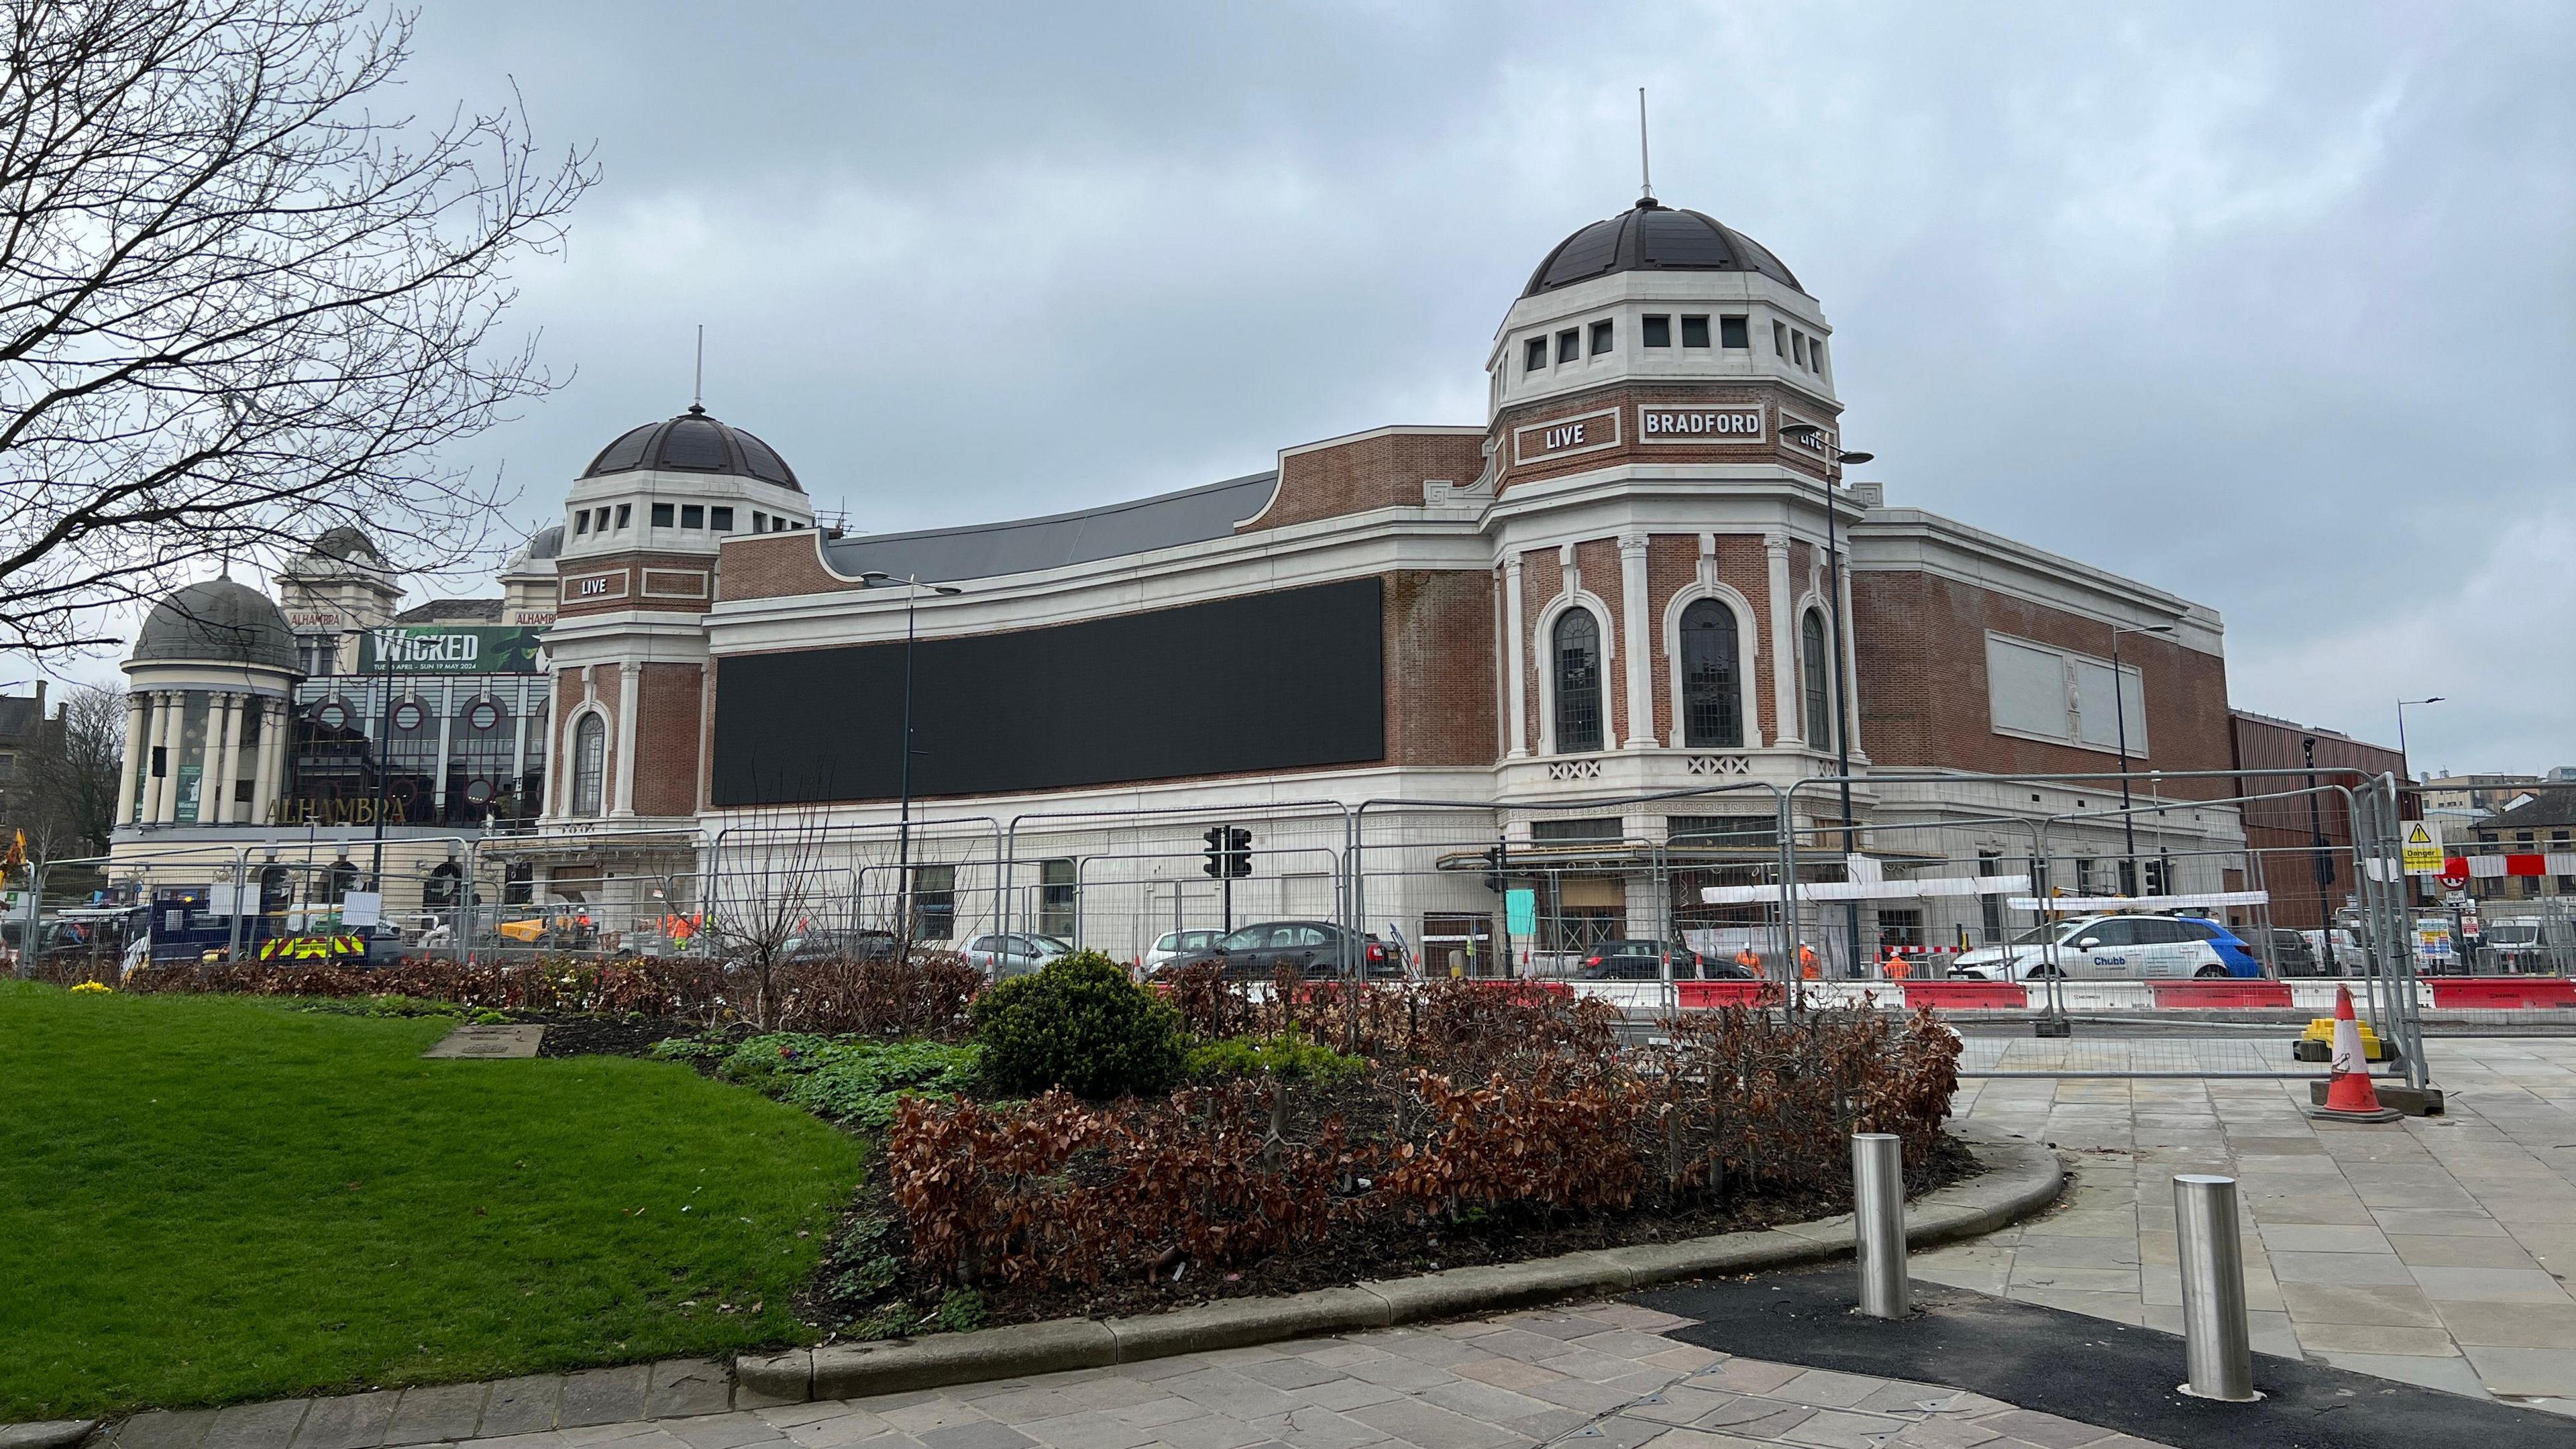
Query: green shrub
<point x="1292" y="1057"/>
<point x="853" y="1081"/>
<point x="1079" y="1024"/>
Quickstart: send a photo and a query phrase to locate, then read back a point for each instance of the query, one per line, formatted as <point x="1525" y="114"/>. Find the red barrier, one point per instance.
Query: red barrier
<point x="2502" y="993"/>
<point x="1706" y="995"/>
<point x="1969" y="995"/>
<point x="2234" y="991"/>
<point x="1505" y="983"/>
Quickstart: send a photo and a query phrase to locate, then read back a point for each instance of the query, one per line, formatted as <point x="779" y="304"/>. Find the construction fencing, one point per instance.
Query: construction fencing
<point x="1657" y="901"/>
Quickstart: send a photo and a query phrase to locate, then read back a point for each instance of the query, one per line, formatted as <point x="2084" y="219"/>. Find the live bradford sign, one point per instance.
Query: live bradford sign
<point x="448" y="649"/>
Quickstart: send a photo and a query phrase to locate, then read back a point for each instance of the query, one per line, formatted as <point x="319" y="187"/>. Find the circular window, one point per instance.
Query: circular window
<point x="484" y="715"/>
<point x="478" y="790"/>
<point x="408" y="715"/>
<point x="331" y="716"/>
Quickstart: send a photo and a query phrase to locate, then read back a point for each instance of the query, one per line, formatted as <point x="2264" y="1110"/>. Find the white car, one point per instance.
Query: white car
<point x="2113" y="948"/>
<point x="1003" y="956"/>
<point x="1172" y="945"/>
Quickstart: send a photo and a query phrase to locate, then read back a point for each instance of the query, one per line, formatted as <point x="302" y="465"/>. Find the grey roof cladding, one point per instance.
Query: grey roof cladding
<point x="1653" y="237"/>
<point x="452" y="611"/>
<point x="216" y="621"/>
<point x="693" y="443"/>
<point x="18" y="717"/>
<point x="990" y="550"/>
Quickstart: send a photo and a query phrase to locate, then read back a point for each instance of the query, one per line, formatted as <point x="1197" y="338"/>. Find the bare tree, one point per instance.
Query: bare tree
<point x="769" y="886"/>
<point x="236" y="304"/>
<point x="71" y="789"/>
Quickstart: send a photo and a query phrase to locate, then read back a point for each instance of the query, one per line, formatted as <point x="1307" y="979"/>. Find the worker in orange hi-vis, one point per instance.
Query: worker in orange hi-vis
<point x="1746" y="958"/>
<point x="1896" y="964"/>
<point x="1806" y="961"/>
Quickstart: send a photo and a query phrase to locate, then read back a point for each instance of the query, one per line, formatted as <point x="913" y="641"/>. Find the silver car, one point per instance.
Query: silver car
<point x="1000" y="956"/>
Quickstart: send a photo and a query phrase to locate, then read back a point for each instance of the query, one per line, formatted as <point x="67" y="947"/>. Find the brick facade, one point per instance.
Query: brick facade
<point x="1383" y="470"/>
<point x="775" y="565"/>
<point x="2284" y="830"/>
<point x="1921" y="644"/>
<point x="675" y="582"/>
<point x="667" y="703"/>
<point x="1515" y="468"/>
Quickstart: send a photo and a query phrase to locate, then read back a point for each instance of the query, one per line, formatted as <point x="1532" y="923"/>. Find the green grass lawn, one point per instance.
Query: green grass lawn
<point x="205" y="1199"/>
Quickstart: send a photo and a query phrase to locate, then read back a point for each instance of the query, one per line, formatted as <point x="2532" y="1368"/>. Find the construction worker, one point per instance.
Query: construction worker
<point x="1751" y="962"/>
<point x="1806" y="962"/>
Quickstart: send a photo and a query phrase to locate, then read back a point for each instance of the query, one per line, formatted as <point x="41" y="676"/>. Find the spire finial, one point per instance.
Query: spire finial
<point x="1645" y="172"/>
<point x="698" y="379"/>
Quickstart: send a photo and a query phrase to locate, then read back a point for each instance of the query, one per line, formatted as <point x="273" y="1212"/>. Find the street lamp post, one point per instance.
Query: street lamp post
<point x="2120" y="713"/>
<point x="903" y="828"/>
<point x="2406" y="762"/>
<point x="1842" y="712"/>
<point x="2401" y="732"/>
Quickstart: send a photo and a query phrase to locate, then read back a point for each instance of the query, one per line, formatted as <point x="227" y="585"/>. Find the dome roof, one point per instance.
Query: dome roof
<point x="693" y="443"/>
<point x="344" y="542"/>
<point x="1652" y="237"/>
<point x="217" y="622"/>
<point x="545" y="543"/>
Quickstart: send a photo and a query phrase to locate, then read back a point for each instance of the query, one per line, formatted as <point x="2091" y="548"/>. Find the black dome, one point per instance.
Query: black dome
<point x="694" y="443"/>
<point x="217" y="622"/>
<point x="1652" y="237"/>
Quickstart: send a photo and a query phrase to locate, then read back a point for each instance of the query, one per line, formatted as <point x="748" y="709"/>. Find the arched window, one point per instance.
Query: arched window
<point x="1820" y="705"/>
<point x="589" y="764"/>
<point x="1712" y="692"/>
<point x="1578" y="682"/>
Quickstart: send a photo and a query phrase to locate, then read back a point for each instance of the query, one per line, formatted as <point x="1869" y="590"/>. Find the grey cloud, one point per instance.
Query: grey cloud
<point x="2266" y="304"/>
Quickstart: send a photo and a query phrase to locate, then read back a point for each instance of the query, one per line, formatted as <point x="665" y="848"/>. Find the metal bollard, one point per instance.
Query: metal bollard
<point x="1878" y="1223"/>
<point x="2217" y="1349"/>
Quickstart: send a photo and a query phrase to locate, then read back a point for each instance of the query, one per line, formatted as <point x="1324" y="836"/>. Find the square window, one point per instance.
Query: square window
<point x="625" y="514"/>
<point x="720" y="519"/>
<point x="580" y="522"/>
<point x="693" y="515"/>
<point x="1694" y="332"/>
<point x="1730" y="333"/>
<point x="1779" y="339"/>
<point x="1534" y="356"/>
<point x="1601" y="335"/>
<point x="1569" y="345"/>
<point x="1659" y="332"/>
<point x="662" y="515"/>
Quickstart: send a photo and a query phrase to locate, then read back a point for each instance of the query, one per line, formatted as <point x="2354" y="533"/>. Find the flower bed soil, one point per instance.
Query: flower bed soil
<point x="571" y="1034"/>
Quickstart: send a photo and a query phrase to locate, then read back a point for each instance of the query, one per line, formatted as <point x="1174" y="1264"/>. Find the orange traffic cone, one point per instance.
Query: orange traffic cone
<point x="2349" y="1097"/>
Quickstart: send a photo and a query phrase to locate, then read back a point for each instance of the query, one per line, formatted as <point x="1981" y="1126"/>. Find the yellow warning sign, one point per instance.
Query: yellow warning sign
<point x="2423" y="849"/>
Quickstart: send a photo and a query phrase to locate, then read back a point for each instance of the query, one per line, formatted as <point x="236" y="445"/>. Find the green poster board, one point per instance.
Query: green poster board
<point x="448" y="649"/>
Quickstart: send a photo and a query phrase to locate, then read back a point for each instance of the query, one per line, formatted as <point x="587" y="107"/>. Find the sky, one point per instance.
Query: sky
<point x="2272" y="306"/>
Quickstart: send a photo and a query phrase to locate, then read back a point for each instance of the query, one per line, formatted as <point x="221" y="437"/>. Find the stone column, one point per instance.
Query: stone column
<point x="228" y="761"/>
<point x="149" y="809"/>
<point x="1516" y="651"/>
<point x="129" y="781"/>
<point x="1784" y="644"/>
<point x="1851" y="661"/>
<point x="1639" y="643"/>
<point x="629" y="687"/>
<point x="263" y="784"/>
<point x="173" y="733"/>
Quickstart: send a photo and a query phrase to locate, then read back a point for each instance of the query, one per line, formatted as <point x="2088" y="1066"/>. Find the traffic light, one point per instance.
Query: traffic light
<point x="1215" y="853"/>
<point x="1494" y="869"/>
<point x="1238" y="851"/>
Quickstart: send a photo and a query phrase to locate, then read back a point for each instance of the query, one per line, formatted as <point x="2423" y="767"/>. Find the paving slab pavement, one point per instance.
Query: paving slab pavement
<point x="1496" y="1383"/>
<point x="2438" y="1251"/>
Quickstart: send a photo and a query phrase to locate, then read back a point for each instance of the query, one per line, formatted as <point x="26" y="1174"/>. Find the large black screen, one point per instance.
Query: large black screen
<point x="1275" y="681"/>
